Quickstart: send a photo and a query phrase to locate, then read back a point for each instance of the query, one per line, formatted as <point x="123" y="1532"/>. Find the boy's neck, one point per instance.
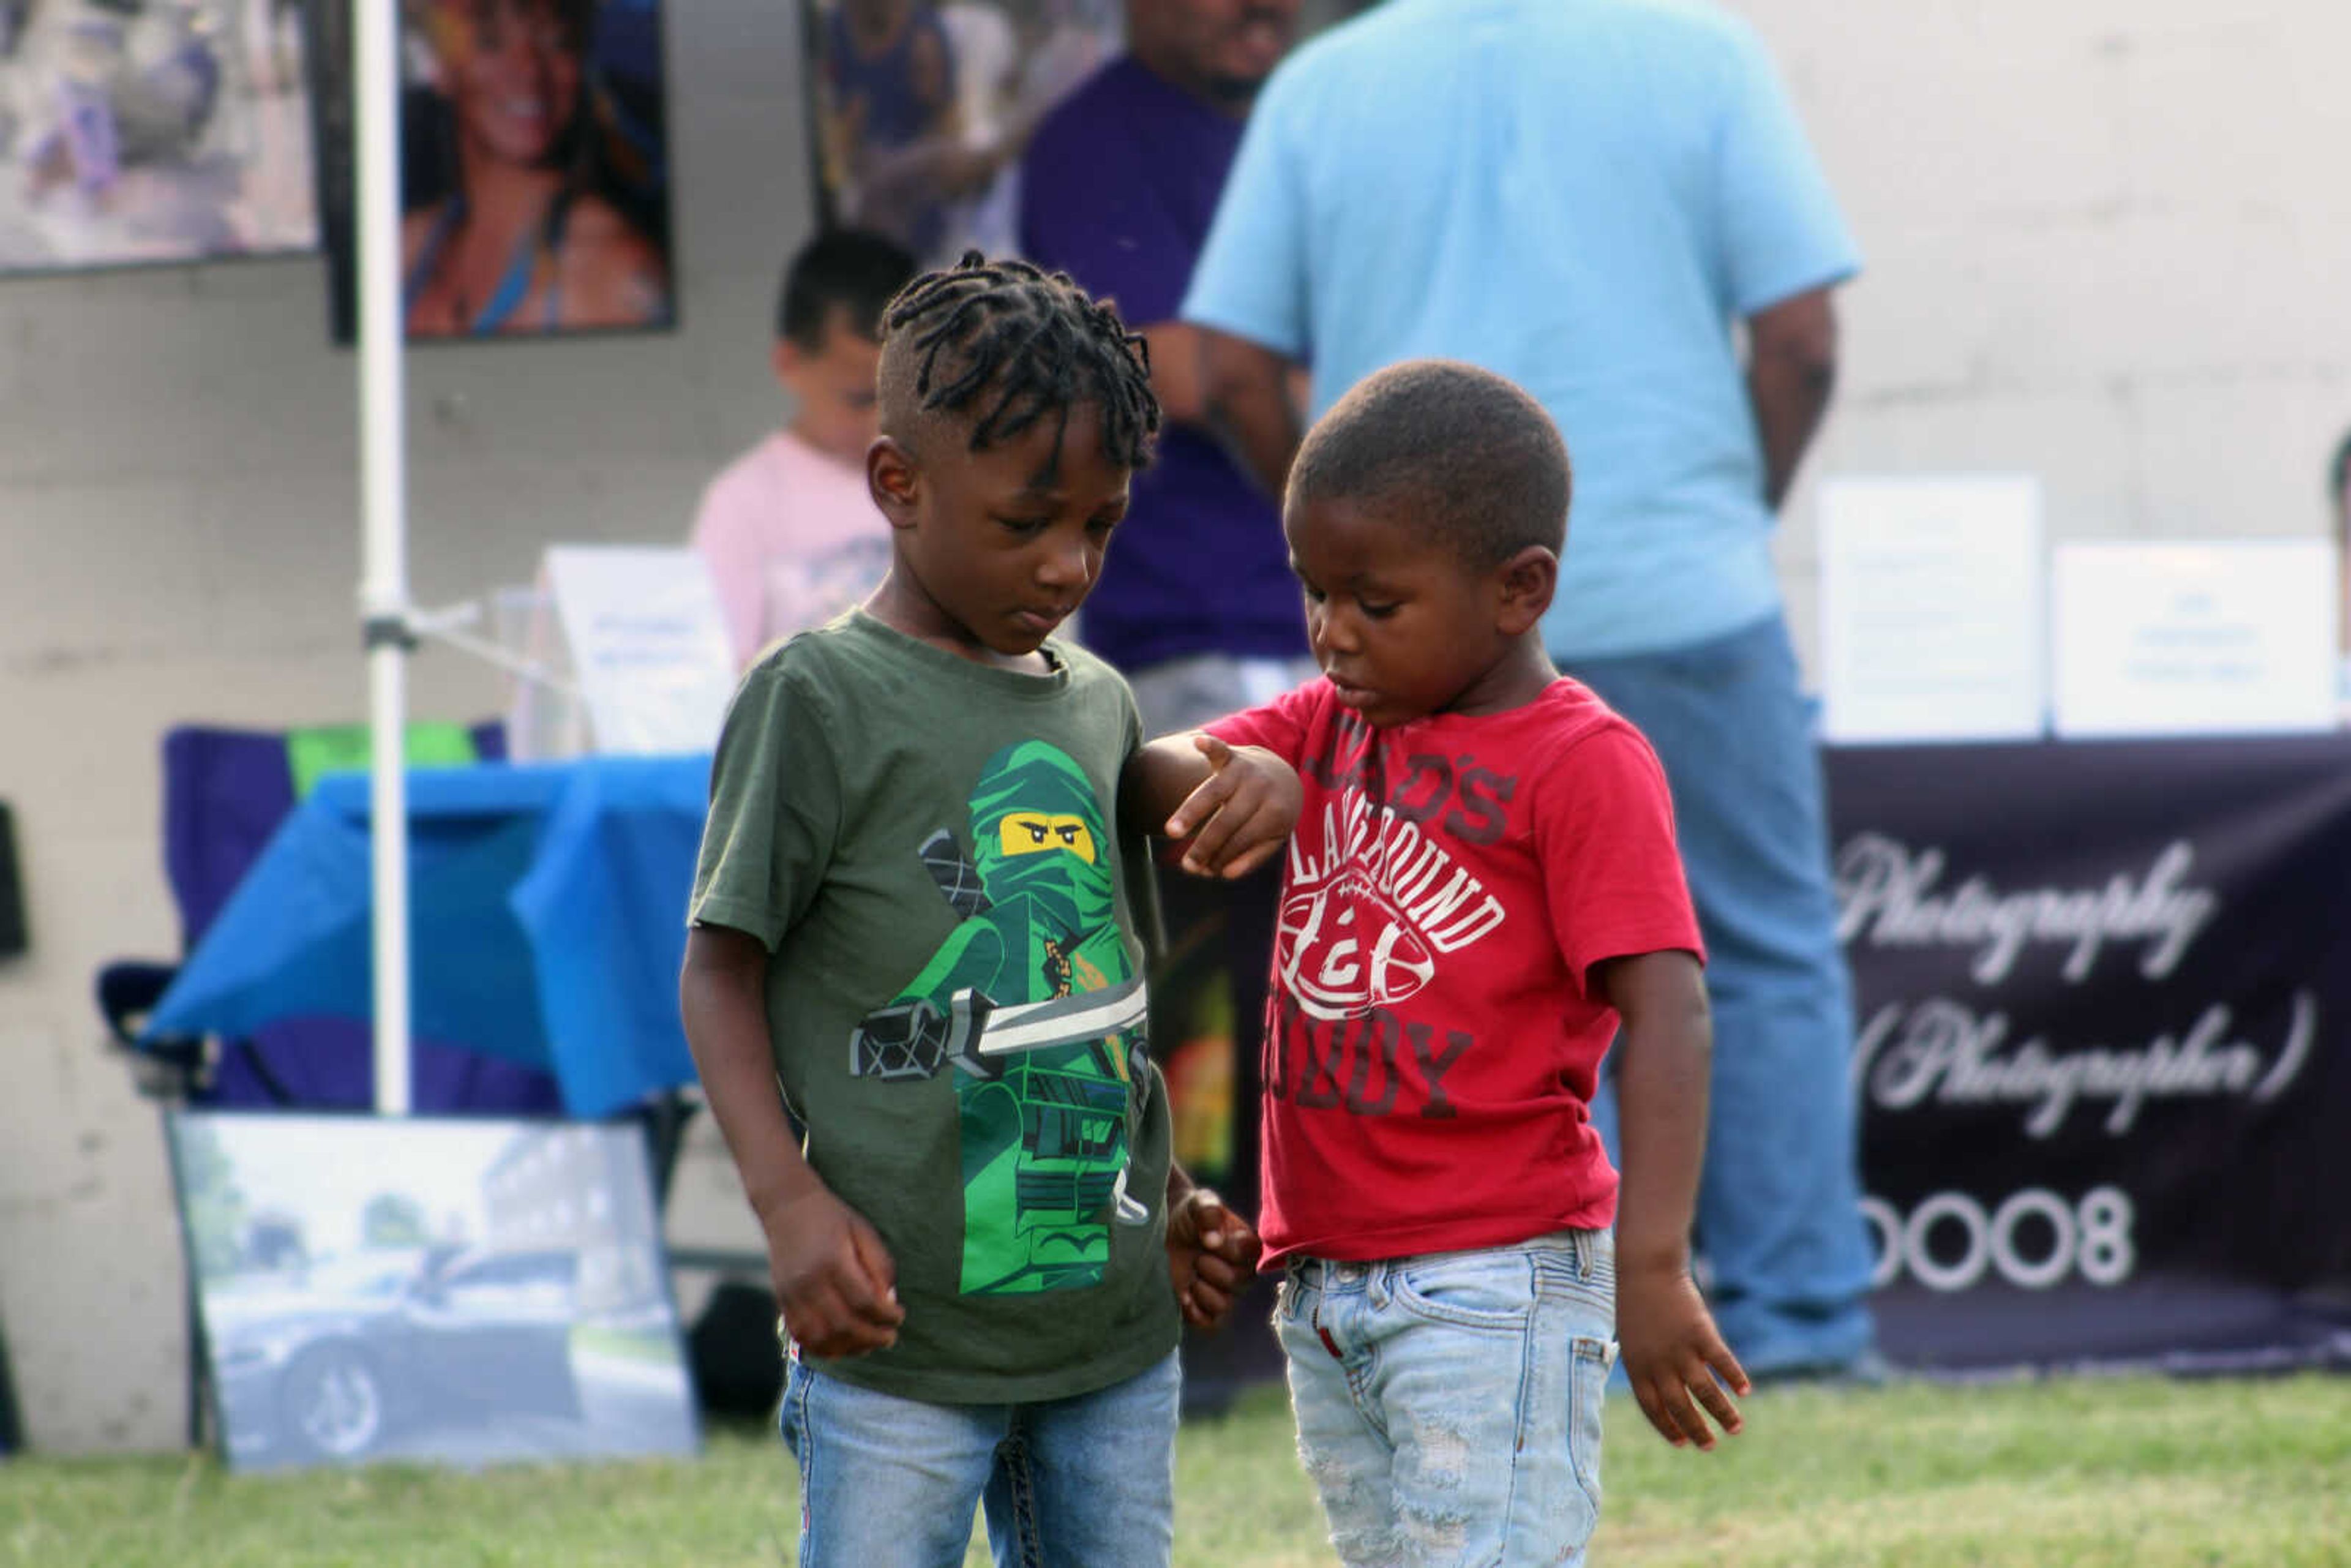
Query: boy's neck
<point x="1520" y="675"/>
<point x="900" y="605"/>
<point x="793" y="429"/>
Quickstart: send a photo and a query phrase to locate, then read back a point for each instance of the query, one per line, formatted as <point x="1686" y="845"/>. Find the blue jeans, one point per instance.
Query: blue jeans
<point x="1779" y="1210"/>
<point x="889" y="1482"/>
<point x="1449" y="1404"/>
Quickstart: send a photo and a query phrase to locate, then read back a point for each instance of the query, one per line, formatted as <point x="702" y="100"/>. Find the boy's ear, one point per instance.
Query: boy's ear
<point x="1527" y="581"/>
<point x="895" y="480"/>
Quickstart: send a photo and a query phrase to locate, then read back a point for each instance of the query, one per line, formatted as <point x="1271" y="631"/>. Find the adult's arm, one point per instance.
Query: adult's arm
<point x="1792" y="356"/>
<point x="1249" y="404"/>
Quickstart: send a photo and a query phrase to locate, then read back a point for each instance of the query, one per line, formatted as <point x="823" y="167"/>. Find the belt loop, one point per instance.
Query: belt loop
<point x="1584" y="1248"/>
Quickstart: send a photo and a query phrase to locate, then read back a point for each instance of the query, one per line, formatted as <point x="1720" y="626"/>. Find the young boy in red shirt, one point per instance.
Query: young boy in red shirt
<point x="1482" y="893"/>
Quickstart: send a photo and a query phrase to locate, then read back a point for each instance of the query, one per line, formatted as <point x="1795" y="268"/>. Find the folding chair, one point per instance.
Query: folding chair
<point x="225" y="793"/>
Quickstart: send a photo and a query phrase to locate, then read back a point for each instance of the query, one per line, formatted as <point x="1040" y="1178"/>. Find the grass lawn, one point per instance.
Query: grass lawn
<point x="2135" y="1471"/>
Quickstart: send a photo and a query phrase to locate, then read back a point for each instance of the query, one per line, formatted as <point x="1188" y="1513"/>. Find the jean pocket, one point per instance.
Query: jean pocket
<point x="1587" y="1393"/>
<point x="1472" y="1290"/>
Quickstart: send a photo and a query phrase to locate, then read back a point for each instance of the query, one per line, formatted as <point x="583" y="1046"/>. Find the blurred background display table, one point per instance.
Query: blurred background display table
<point x="547" y="911"/>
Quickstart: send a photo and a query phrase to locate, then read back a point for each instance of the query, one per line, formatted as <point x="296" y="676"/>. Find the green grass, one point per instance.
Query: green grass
<point x="2144" y="1472"/>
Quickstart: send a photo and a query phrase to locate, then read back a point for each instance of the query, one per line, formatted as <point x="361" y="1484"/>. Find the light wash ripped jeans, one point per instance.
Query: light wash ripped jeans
<point x="1449" y="1404"/>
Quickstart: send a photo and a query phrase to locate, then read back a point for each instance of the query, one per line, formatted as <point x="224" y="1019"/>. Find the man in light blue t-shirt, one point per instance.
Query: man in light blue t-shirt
<point x="1588" y="196"/>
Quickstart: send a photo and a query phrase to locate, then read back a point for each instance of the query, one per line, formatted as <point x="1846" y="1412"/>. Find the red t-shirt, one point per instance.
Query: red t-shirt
<point x="1431" y="1050"/>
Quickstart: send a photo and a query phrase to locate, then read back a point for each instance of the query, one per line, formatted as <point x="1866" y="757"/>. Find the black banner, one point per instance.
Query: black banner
<point x="2103" y="994"/>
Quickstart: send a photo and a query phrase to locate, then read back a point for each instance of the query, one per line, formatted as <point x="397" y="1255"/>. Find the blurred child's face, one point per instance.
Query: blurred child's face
<point x="835" y="407"/>
<point x="998" y="548"/>
<point x="511" y="67"/>
<point x="1399" y="624"/>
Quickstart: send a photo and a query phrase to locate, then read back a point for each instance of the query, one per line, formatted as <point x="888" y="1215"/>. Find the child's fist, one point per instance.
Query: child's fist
<point x="1211" y="1253"/>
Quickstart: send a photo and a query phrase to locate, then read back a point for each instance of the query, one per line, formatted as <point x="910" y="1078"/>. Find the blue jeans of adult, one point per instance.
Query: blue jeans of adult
<point x="1779" y="1218"/>
<point x="1449" y="1404"/>
<point x="890" y="1482"/>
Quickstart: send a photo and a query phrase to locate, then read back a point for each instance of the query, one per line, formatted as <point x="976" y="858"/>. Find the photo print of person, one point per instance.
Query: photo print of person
<point x="534" y="167"/>
<point x="921" y="110"/>
<point x="141" y="131"/>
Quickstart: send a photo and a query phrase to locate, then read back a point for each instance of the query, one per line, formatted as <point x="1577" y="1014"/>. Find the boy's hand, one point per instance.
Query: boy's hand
<point x="1672" y="1351"/>
<point x="835" y="1283"/>
<point x="1240" y="815"/>
<point x="1211" y="1252"/>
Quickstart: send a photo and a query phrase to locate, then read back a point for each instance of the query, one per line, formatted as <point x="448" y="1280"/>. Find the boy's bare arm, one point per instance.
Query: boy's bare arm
<point x="1236" y="804"/>
<point x="1674" y="1356"/>
<point x="834" y="1280"/>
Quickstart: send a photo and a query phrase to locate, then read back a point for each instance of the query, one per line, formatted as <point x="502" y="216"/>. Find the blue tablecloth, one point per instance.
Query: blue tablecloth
<point x="548" y="920"/>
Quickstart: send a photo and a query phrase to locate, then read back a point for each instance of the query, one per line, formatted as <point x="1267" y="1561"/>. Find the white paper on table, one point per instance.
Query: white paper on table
<point x="1931" y="618"/>
<point x="2231" y="636"/>
<point x="648" y="646"/>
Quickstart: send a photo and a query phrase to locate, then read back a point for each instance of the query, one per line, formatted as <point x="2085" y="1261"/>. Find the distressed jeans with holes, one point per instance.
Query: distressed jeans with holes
<point x="1449" y="1404"/>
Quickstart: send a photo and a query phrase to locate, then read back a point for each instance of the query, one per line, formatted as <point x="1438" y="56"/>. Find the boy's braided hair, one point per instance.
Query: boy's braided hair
<point x="1003" y="344"/>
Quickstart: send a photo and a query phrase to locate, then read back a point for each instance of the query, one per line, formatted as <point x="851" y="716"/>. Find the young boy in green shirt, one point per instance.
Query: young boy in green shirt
<point x="916" y="912"/>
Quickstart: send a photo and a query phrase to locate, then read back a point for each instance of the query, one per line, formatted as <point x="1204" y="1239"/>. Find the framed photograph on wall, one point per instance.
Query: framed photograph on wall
<point x="470" y="1290"/>
<point x="143" y="131"/>
<point x="919" y="109"/>
<point x="535" y="193"/>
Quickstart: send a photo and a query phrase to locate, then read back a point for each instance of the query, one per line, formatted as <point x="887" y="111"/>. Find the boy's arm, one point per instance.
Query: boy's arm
<point x="834" y="1280"/>
<point x="1672" y="1350"/>
<point x="1236" y="804"/>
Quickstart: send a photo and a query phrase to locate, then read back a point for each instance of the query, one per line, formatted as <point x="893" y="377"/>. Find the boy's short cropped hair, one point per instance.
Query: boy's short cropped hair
<point x="853" y="272"/>
<point x="1468" y="455"/>
<point x="999" y="346"/>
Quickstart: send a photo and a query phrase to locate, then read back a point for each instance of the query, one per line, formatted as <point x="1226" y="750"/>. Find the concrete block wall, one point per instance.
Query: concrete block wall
<point x="2108" y="244"/>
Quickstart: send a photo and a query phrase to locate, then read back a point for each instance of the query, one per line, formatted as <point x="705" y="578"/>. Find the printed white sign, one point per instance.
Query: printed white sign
<point x="2225" y="637"/>
<point x="1931" y="622"/>
<point x="648" y="648"/>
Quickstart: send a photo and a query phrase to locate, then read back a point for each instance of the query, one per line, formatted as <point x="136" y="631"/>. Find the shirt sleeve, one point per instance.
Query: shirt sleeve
<point x="1250" y="280"/>
<point x="1280" y="727"/>
<point x="1604" y="824"/>
<point x="775" y="808"/>
<point x="1781" y="231"/>
<point x="726" y="538"/>
<point x="1135" y="852"/>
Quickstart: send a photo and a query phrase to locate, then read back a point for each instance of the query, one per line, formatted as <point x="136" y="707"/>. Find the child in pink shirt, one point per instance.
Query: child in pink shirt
<point x="790" y="529"/>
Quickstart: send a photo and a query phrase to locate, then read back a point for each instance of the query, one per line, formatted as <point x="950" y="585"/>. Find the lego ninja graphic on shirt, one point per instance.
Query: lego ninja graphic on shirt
<point x="1031" y="1003"/>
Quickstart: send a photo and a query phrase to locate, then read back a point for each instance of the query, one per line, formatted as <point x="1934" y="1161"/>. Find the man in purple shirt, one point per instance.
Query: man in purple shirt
<point x="1196" y="605"/>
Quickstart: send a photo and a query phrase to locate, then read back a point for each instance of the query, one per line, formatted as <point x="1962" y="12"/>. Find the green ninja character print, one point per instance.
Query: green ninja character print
<point x="1031" y="1003"/>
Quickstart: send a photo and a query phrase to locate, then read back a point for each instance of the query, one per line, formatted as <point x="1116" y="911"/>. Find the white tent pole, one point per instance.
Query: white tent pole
<point x="383" y="486"/>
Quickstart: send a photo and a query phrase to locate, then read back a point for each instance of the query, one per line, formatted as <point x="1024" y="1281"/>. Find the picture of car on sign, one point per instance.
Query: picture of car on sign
<point x="466" y="1291"/>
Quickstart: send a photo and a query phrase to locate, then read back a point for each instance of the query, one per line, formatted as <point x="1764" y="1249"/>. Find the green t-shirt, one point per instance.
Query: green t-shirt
<point x="930" y="848"/>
